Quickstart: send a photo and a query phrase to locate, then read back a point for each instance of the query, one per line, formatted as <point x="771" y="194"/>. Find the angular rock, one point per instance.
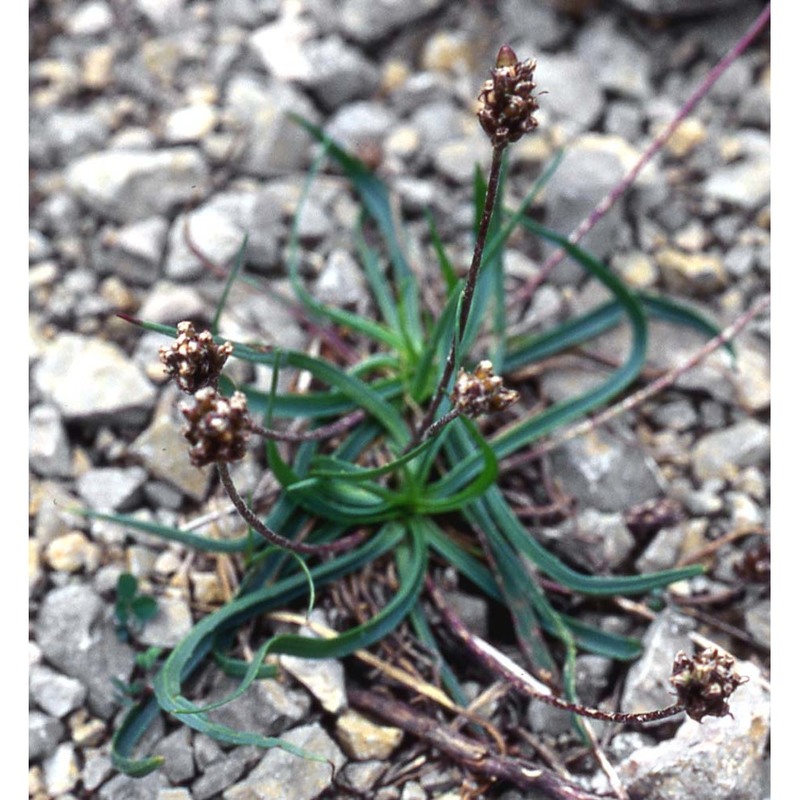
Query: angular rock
<point x="647" y="685"/>
<point x="274" y="143"/>
<point x="130" y="185"/>
<point x="72" y="552"/>
<point x="278" y="775"/>
<point x="48" y="446"/>
<point x="61" y="772"/>
<point x="91" y="379"/>
<point x="364" y="740"/>
<point x="605" y="473"/>
<point x="720" y="757"/>
<point x="721" y="454"/>
<point x="111" y="488"/>
<point x="368" y="21"/>
<point x="133" y="252"/>
<point x="172" y="622"/>
<point x="76" y="632"/>
<point x="54" y="693"/>
<point x="574" y="95"/>
<point x="44" y="733"/>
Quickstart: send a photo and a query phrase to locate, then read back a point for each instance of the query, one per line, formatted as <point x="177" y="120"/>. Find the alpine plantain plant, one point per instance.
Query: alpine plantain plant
<point x="392" y="458"/>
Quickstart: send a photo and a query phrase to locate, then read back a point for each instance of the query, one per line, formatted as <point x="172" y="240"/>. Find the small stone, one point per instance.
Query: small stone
<point x="130" y="185"/>
<point x="637" y="268"/>
<point x="364" y="775"/>
<point x="61" y="773"/>
<point x="448" y="51"/>
<point x="91" y="379"/>
<point x="705" y="761"/>
<point x="97" y="67"/>
<point x="111" y="488"/>
<point x="48" y="446"/>
<point x="722" y="453"/>
<point x="745" y="184"/>
<point x="97" y="769"/>
<point x="757" y="622"/>
<point x="647" y="685"/>
<point x="364" y="740"/>
<point x="369" y="21"/>
<point x="662" y="552"/>
<point x="751" y="379"/>
<point x="689" y="135"/>
<point x="207" y="589"/>
<point x="172" y="622"/>
<point x="86" y="731"/>
<point x="175" y="793"/>
<point x="277" y="774"/>
<point x="178" y="758"/>
<point x="700" y="273"/>
<point x="72" y="552"/>
<point x="90" y="19"/>
<point x="44" y="733"/>
<point x="190" y="123"/>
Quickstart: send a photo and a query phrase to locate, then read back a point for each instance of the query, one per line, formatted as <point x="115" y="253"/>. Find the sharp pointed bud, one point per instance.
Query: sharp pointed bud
<point x="506" y="57"/>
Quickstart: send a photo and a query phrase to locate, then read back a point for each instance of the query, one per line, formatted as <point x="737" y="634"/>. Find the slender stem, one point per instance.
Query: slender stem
<point x="601" y="209"/>
<point x="525" y="683"/>
<point x="325" y="432"/>
<point x="346" y="543"/>
<point x="469" y="290"/>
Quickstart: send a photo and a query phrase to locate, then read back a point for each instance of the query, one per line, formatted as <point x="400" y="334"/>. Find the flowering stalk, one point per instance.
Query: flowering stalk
<point x="506" y="115"/>
<point x="702" y="684"/>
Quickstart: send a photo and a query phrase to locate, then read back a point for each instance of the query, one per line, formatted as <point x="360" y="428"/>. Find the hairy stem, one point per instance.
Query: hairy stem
<point x="469" y="291"/>
<point x="263" y="530"/>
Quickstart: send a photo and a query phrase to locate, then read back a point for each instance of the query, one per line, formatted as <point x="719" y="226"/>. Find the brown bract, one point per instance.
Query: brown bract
<point x="481" y="392"/>
<point x="193" y="359"/>
<point x="217" y="428"/>
<point x="704" y="682"/>
<point x="508" y="102"/>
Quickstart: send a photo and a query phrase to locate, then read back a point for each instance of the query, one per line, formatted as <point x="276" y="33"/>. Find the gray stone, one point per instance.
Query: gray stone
<point x="340" y="73"/>
<point x="92" y="379"/>
<point x="225" y="771"/>
<point x="663" y="550"/>
<point x="213" y="233"/>
<point x="583" y="178"/>
<point x="541" y="24"/>
<point x="97" y="769"/>
<point x="130" y="185"/>
<point x="111" y="488"/>
<point x="369" y="21"/>
<point x="267" y="707"/>
<point x="360" y="125"/>
<point x="718" y="757"/>
<point x="170" y="624"/>
<point x="745" y="184"/>
<point x="48" y="446"/>
<point x="574" y="95"/>
<point x="71" y="134"/>
<point x="647" y="685"/>
<point x="341" y="282"/>
<point x="757" y="622"/>
<point x="169" y="304"/>
<point x="278" y="773"/>
<point x="721" y="454"/>
<point x="164" y="451"/>
<point x="133" y="252"/>
<point x="54" y="693"/>
<point x="90" y="19"/>
<point x="678" y="415"/>
<point x="61" y="771"/>
<point x="76" y="632"/>
<point x="622" y="66"/>
<point x="594" y="540"/>
<point x="122" y="787"/>
<point x="603" y="472"/>
<point x="44" y="734"/>
<point x="323" y="677"/>
<point x="261" y="108"/>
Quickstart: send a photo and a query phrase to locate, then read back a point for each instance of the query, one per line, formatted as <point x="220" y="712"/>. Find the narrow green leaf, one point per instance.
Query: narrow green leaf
<point x="231" y="279"/>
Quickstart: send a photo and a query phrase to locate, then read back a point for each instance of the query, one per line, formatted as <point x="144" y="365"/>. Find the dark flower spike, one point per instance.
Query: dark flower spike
<point x="704" y="683"/>
<point x="508" y="101"/>
<point x="481" y="392"/>
<point x="217" y="428"/>
<point x="193" y="360"/>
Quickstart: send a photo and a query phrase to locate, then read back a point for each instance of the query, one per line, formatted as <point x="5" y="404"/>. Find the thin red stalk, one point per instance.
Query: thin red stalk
<point x="346" y="543"/>
<point x="325" y="432"/>
<point x="524" y="683"/>
<point x="469" y="290"/>
<point x="602" y="208"/>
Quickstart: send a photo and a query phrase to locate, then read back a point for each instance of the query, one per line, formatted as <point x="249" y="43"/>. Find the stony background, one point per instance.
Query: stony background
<point x="148" y="116"/>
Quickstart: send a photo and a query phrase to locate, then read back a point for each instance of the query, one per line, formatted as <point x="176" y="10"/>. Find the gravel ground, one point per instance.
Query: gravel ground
<point x="149" y="118"/>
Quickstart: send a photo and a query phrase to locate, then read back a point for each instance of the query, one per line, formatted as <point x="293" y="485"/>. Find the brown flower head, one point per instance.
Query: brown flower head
<point x="217" y="427"/>
<point x="705" y="682"/>
<point x="193" y="360"/>
<point x="481" y="392"/>
<point x="508" y="101"/>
